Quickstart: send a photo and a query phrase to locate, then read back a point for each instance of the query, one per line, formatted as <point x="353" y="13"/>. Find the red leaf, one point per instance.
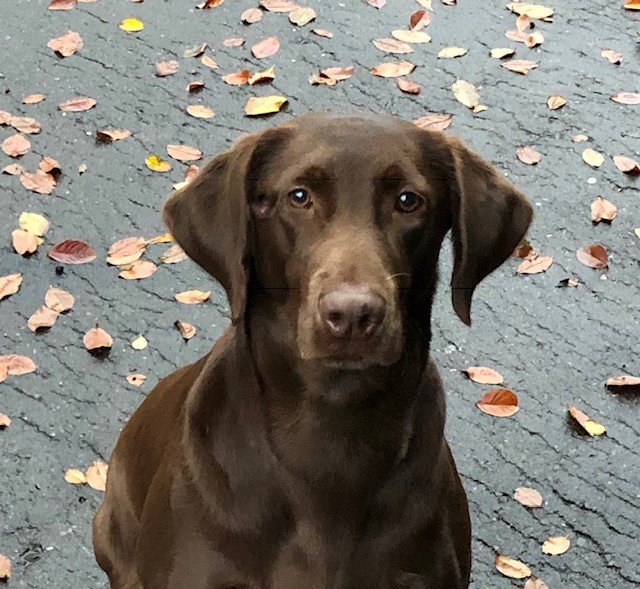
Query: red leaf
<point x="72" y="251"/>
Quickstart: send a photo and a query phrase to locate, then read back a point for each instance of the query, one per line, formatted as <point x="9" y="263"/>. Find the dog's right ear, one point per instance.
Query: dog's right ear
<point x="209" y="219"/>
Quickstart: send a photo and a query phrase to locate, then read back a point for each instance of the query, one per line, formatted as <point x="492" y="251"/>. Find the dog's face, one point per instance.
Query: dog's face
<point x="338" y="221"/>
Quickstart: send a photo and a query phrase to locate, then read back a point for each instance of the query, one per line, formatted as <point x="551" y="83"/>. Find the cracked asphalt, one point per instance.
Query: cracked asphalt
<point x="554" y="346"/>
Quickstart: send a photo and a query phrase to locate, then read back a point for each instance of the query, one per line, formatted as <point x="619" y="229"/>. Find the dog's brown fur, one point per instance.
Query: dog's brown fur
<point x="288" y="458"/>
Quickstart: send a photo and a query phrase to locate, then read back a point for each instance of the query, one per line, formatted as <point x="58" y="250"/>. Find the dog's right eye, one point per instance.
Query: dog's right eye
<point x="300" y="198"/>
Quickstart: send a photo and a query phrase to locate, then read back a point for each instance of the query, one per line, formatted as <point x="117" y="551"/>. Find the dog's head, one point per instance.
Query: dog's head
<point x="338" y="222"/>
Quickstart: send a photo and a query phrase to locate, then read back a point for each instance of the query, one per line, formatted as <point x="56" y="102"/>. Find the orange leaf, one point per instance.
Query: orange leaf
<point x="4" y="419"/>
<point x="499" y="403"/>
<point x="237" y="79"/>
<point x="16" y="145"/>
<point x="77" y="104"/>
<point x="25" y="125"/>
<point x="187" y="331"/>
<point x="266" y="48"/>
<point x="603" y="210"/>
<point x="97" y="338"/>
<point x="58" y="300"/>
<point x="173" y="255"/>
<point x="278" y="5"/>
<point x="62" y="4"/>
<point x="96" y="475"/>
<point x="393" y="69"/>
<point x="10" y="284"/>
<point x="67" y="44"/>
<point x="5" y="568"/>
<point x="512" y="568"/>
<point x="632" y="4"/>
<point x="263" y="76"/>
<point x="200" y="111"/>
<point x="138" y="270"/>
<point x="483" y="375"/>
<point x="192" y="297"/>
<point x="262" y="105"/>
<point x="613" y="56"/>
<point x="72" y="251"/>
<point x="24" y="242"/>
<point x="43" y="318"/>
<point x="594" y="256"/>
<point x="323" y="33"/>
<point x="18" y="365"/>
<point x="593" y="428"/>
<point x="624" y="381"/>
<point x="109" y="135"/>
<point x="38" y="181"/>
<point x="528" y="497"/>
<point x="126" y="251"/>
<point x="555" y="102"/>
<point x="136" y="379"/>
<point x="556" y="545"/>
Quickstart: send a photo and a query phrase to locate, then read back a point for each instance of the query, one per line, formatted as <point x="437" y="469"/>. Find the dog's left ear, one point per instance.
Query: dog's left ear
<point x="490" y="217"/>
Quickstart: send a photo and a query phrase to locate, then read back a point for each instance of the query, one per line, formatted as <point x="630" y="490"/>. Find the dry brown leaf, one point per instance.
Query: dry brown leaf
<point x="278" y="5"/>
<point x="338" y="73"/>
<point x="5" y="568"/>
<point x="593" y="428"/>
<point x="528" y="497"/>
<point x="33" y="223"/>
<point x="43" y="318"/>
<point x="408" y="86"/>
<point x="10" y="284"/>
<point x="18" y="365"/>
<point x="517" y="36"/>
<point x="77" y="104"/>
<point x="603" y="210"/>
<point x="67" y="44"/>
<point x="4" y="419"/>
<point x="613" y="56"/>
<point x="13" y="169"/>
<point x="62" y="4"/>
<point x="498" y="403"/>
<point x="501" y="52"/>
<point x="323" y="33"/>
<point x="556" y="545"/>
<point x="412" y="36"/>
<point x="208" y="62"/>
<point x="187" y="331"/>
<point x="534" y="583"/>
<point x="483" y="375"/>
<point x="523" y="249"/>
<point x="534" y="39"/>
<point x="523" y="22"/>
<point x="319" y="79"/>
<point x="196" y="50"/>
<point x="58" y="300"/>
<point x="207" y="4"/>
<point x="50" y="166"/>
<point x="528" y="155"/>
<point x="626" y="98"/>
<point x="109" y="135"/>
<point x="97" y="338"/>
<point x="173" y="255"/>
<point x="376" y="3"/>
<point x="26" y="125"/>
<point x="509" y="567"/>
<point x="73" y="476"/>
<point x="533" y="11"/>
<point x="82" y="168"/>
<point x="623" y="381"/>
<point x="4" y="371"/>
<point x="200" y="111"/>
<point x="164" y="237"/>
<point x="233" y="42"/>
<point x="302" y="16"/>
<point x="520" y="66"/>
<point x="434" y="122"/>
<point x="195" y="86"/>
<point x="251" y="15"/>
<point x="138" y="270"/>
<point x="626" y="164"/>
<point x="237" y="79"/>
<point x="265" y="48"/>
<point x="393" y="69"/>
<point x="16" y="145"/>
<point x="126" y="251"/>
<point x="136" y="379"/>
<point x="166" y="68"/>
<point x="466" y="93"/>
<point x="594" y="256"/>
<point x="452" y="52"/>
<point x="555" y="102"/>
<point x="38" y="181"/>
<point x="392" y="46"/>
<point x="263" y="105"/>
<point x="592" y="157"/>
<point x="263" y="76"/>
<point x="184" y="153"/>
<point x="192" y="297"/>
<point x="419" y="20"/>
<point x="97" y="476"/>
<point x="568" y="282"/>
<point x="24" y="242"/>
<point x="534" y="264"/>
<point x="72" y="251"/>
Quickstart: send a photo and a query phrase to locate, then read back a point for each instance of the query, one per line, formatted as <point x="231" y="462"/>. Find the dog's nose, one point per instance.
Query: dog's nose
<point x="352" y="312"/>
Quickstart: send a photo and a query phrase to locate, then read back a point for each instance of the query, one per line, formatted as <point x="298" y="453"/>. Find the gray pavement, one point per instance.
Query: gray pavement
<point x="554" y="346"/>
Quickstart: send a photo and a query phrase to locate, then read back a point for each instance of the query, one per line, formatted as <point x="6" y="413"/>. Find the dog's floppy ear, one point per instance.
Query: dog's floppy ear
<point x="209" y="219"/>
<point x="490" y="217"/>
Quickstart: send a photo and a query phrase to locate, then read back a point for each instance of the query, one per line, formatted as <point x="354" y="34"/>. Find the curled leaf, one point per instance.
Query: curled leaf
<point x="59" y="300"/>
<point x="499" y="403"/>
<point x="138" y="270"/>
<point x="43" y="318"/>
<point x="10" y="284"/>
<point x="73" y="476"/>
<point x="528" y="155"/>
<point x="613" y="56"/>
<point x="623" y="381"/>
<point x="126" y="251"/>
<point x="237" y="79"/>
<point x="555" y="102"/>
<point x="67" y="44"/>
<point x="594" y="256"/>
<point x="626" y="164"/>
<point x="97" y="338"/>
<point x="593" y="428"/>
<point x="408" y="86"/>
<point x="187" y="331"/>
<point x="263" y="105"/>
<point x="97" y="475"/>
<point x="17" y="365"/>
<point x="109" y="135"/>
<point x="166" y="68"/>
<point x="556" y="545"/>
<point x="603" y="210"/>
<point x="501" y="52"/>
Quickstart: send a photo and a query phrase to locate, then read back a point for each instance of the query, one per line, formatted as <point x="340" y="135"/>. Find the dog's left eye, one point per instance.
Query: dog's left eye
<point x="408" y="202"/>
<point x="300" y="198"/>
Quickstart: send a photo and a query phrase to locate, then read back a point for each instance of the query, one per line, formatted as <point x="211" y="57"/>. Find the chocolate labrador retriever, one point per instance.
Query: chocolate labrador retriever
<point x="306" y="450"/>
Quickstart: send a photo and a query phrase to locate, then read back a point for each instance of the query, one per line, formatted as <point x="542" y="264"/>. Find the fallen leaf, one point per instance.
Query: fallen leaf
<point x="594" y="256"/>
<point x="26" y="125"/>
<point x="338" y="73"/>
<point x="184" y="153"/>
<point x="317" y="79"/>
<point x="196" y="50"/>
<point x="592" y="157"/>
<point x="613" y="56"/>
<point x="392" y="46"/>
<point x="233" y="42"/>
<point x="131" y="25"/>
<point x="38" y="181"/>
<point x="626" y="98"/>
<point x="97" y="338"/>
<point x="534" y="583"/>
<point x="434" y="122"/>
<point x="499" y="403"/>
<point x="412" y="36"/>
<point x="72" y="251"/>
<point x="13" y="169"/>
<point x="509" y="567"/>
<point x="534" y="39"/>
<point x="24" y="242"/>
<point x="195" y="86"/>
<point x="207" y="4"/>
<point x="4" y="419"/>
<point x="528" y="497"/>
<point x="237" y="79"/>
<point x="278" y="5"/>
<point x="43" y="318"/>
<point x="568" y="282"/>
<point x="626" y="164"/>
<point x="632" y="4"/>
<point x="109" y="135"/>
<point x="208" y="62"/>
<point x="449" y="2"/>
<point x="419" y="20"/>
<point x="18" y="365"/>
<point x="501" y="52"/>
<point x="50" y="166"/>
<point x="138" y="270"/>
<point x="126" y="251"/>
<point x="16" y="145"/>
<point x="164" y="237"/>
<point x="192" y="297"/>
<point x="393" y="69"/>
<point x="483" y="375"/>
<point x="58" y="300"/>
<point x="67" y="44"/>
<point x="523" y="22"/>
<point x="73" y="476"/>
<point x="77" y="104"/>
<point x="623" y="381"/>
<point x="520" y="66"/>
<point x="251" y="15"/>
<point x="263" y="76"/>
<point x="136" y="379"/>
<point x="10" y="284"/>
<point x="452" y="52"/>
<point x="555" y="102"/>
<point x="593" y="428"/>
<point x="533" y="11"/>
<point x="376" y="3"/>
<point x="82" y="168"/>
<point x="189" y="174"/>
<point x="408" y="86"/>
<point x="556" y="545"/>
<point x="157" y="164"/>
<point x="97" y="475"/>
<point x="200" y="111"/>
<point x="466" y="93"/>
<point x="523" y="249"/>
<point x="528" y="155"/>
<point x="603" y="210"/>
<point x="323" y="33"/>
<point x="264" y="105"/>
<point x="187" y="331"/>
<point x="265" y="48"/>
<point x="4" y="371"/>
<point x="534" y="264"/>
<point x="140" y="343"/>
<point x="173" y="255"/>
<point x="5" y="568"/>
<point x="62" y="4"/>
<point x="579" y="138"/>
<point x="302" y="16"/>
<point x="166" y="68"/>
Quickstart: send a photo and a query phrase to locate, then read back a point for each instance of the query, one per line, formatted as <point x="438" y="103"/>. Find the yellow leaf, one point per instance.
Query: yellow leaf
<point x="157" y="164"/>
<point x="534" y="11"/>
<point x="264" y="105"/>
<point x="556" y="545"/>
<point x="192" y="297"/>
<point x="131" y="25"/>
<point x="451" y="52"/>
<point x="163" y="238"/>
<point x="466" y="93"/>
<point x="97" y="475"/>
<point x="140" y="343"/>
<point x="632" y="4"/>
<point x="200" y="111"/>
<point x="33" y="223"/>
<point x="73" y="476"/>
<point x="593" y="428"/>
<point x="500" y="52"/>
<point x="592" y="157"/>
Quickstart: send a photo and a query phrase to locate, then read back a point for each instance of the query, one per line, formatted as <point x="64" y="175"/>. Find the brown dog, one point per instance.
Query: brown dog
<point x="306" y="451"/>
